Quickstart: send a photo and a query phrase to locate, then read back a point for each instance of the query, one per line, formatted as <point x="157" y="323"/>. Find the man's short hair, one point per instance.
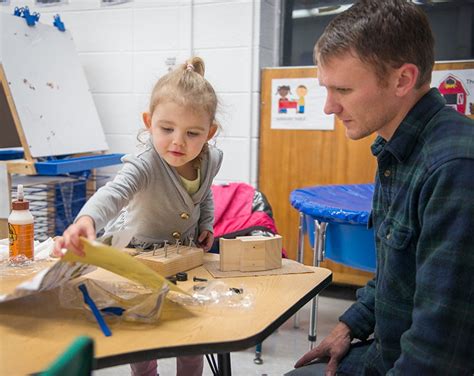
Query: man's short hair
<point x="384" y="34"/>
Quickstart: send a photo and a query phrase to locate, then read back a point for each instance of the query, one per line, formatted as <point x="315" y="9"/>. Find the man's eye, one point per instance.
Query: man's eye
<point x="343" y="90"/>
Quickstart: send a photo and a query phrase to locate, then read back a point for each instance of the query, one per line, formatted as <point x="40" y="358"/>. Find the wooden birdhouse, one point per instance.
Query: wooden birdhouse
<point x="250" y="253"/>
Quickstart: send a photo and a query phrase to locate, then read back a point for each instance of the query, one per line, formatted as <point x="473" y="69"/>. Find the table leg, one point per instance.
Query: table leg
<point x="223" y="362"/>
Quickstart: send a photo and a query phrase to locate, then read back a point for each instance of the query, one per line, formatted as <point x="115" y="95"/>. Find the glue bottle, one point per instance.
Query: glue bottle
<point x="21" y="227"/>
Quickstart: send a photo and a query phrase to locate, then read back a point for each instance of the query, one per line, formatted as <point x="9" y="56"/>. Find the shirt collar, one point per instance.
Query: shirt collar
<point x="406" y="136"/>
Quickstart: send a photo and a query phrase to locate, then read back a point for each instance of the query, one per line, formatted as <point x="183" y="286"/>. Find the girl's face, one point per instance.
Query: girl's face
<point x="178" y="133"/>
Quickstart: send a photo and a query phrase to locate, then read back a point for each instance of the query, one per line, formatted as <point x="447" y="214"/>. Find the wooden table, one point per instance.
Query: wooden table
<point x="35" y="330"/>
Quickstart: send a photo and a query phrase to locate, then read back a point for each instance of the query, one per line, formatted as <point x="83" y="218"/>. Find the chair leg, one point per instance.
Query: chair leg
<point x="258" y="354"/>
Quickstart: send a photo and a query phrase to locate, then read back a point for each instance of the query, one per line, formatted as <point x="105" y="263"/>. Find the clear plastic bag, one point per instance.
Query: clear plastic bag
<point x="120" y="299"/>
<point x="216" y="293"/>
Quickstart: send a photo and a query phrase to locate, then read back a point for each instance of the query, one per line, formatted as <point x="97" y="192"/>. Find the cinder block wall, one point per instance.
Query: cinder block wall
<point x="125" y="48"/>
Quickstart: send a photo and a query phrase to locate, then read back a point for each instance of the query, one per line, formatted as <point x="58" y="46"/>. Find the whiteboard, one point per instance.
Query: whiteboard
<point x="49" y="89"/>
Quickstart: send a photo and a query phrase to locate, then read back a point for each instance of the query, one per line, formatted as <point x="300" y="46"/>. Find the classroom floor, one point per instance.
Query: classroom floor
<point x="279" y="351"/>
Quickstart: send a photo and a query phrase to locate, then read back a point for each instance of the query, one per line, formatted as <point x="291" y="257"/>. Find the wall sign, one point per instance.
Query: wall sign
<point x="457" y="87"/>
<point x="297" y="103"/>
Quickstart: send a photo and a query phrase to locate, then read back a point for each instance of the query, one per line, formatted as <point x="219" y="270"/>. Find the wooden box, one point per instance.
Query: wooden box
<point x="250" y="253"/>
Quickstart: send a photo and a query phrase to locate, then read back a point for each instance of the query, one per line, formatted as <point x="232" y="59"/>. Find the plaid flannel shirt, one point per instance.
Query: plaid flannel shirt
<point x="420" y="305"/>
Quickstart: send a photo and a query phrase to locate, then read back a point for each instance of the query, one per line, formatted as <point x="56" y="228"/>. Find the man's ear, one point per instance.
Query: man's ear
<point x="146" y="116"/>
<point x="407" y="76"/>
<point x="212" y="131"/>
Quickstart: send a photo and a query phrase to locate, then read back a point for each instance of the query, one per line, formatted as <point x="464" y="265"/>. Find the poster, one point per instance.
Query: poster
<point x="457" y="87"/>
<point x="298" y="103"/>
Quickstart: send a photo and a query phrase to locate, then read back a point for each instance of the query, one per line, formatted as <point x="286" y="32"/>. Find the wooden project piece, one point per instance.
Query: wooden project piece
<point x="250" y="253"/>
<point x="177" y="259"/>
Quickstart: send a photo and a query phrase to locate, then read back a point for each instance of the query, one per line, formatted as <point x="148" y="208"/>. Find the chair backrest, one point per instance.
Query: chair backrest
<point x="77" y="360"/>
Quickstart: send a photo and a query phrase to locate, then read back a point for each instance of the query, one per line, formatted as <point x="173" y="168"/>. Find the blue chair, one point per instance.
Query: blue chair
<point x="335" y="217"/>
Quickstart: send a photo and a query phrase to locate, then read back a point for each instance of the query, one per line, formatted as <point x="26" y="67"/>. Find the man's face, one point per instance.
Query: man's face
<point x="357" y="98"/>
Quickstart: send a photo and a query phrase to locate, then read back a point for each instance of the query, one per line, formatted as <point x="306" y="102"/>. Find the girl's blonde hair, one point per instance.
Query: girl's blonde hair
<point x="186" y="86"/>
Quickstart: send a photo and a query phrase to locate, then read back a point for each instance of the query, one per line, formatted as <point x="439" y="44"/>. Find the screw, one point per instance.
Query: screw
<point x="197" y="279"/>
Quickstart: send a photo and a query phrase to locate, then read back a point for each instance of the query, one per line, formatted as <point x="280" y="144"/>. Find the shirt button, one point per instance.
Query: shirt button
<point x="184" y="215"/>
<point x="387" y="173"/>
<point x="176" y="235"/>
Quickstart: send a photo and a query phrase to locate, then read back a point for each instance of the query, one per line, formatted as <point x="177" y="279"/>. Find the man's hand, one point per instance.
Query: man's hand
<point x="334" y="346"/>
<point x="205" y="240"/>
<point x="84" y="226"/>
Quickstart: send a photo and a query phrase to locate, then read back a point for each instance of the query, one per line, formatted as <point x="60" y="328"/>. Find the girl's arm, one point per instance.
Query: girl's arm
<point x="206" y="220"/>
<point x="104" y="205"/>
<point x="107" y="202"/>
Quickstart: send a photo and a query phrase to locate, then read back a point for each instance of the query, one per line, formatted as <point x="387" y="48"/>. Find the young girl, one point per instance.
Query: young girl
<point x="163" y="194"/>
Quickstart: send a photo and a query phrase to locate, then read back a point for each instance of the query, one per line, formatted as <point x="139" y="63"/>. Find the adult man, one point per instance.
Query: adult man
<point x="375" y="61"/>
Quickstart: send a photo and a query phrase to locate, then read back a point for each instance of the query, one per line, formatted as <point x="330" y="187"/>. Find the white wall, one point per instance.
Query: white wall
<point x="125" y="48"/>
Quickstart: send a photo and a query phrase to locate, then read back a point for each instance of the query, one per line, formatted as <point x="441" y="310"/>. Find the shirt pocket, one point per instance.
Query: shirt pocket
<point x="394" y="235"/>
<point x="395" y="263"/>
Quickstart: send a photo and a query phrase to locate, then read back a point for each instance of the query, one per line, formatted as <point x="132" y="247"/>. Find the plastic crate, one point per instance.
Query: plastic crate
<point x="56" y="200"/>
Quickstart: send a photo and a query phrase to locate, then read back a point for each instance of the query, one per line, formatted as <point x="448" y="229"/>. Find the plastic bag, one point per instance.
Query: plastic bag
<point x="216" y="293"/>
<point x="121" y="299"/>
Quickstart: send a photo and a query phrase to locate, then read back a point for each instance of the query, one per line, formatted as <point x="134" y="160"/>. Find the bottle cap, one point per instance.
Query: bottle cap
<point x="20" y="203"/>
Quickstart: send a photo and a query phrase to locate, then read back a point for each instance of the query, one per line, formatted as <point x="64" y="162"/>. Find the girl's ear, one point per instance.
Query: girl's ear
<point x="146" y="116"/>
<point x="212" y="131"/>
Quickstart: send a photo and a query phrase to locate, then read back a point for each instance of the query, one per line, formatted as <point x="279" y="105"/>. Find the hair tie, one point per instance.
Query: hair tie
<point x="189" y="67"/>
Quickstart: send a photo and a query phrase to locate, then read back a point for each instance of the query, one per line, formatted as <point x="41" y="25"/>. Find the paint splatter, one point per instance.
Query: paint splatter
<point x="25" y="81"/>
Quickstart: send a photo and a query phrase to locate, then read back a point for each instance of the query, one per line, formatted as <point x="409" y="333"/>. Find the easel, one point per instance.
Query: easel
<point x="46" y="110"/>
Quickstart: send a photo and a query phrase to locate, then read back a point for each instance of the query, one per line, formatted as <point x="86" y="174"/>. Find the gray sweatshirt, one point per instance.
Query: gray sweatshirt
<point x="147" y="200"/>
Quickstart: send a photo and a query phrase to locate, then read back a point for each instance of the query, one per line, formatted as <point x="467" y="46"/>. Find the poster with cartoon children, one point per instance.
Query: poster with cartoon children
<point x="298" y="103"/>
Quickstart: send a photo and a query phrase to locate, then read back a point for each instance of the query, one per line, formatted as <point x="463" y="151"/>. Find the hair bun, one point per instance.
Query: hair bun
<point x="196" y="64"/>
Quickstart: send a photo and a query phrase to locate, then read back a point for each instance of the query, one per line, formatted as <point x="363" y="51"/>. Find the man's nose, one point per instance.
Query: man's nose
<point x="331" y="106"/>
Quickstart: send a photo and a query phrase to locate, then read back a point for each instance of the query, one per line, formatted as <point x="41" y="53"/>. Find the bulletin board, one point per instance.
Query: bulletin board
<point x="291" y="159"/>
<point x="46" y="104"/>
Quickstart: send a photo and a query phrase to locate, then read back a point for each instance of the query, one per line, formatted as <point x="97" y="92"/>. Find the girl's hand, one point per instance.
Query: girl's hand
<point x="85" y="227"/>
<point x="205" y="240"/>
